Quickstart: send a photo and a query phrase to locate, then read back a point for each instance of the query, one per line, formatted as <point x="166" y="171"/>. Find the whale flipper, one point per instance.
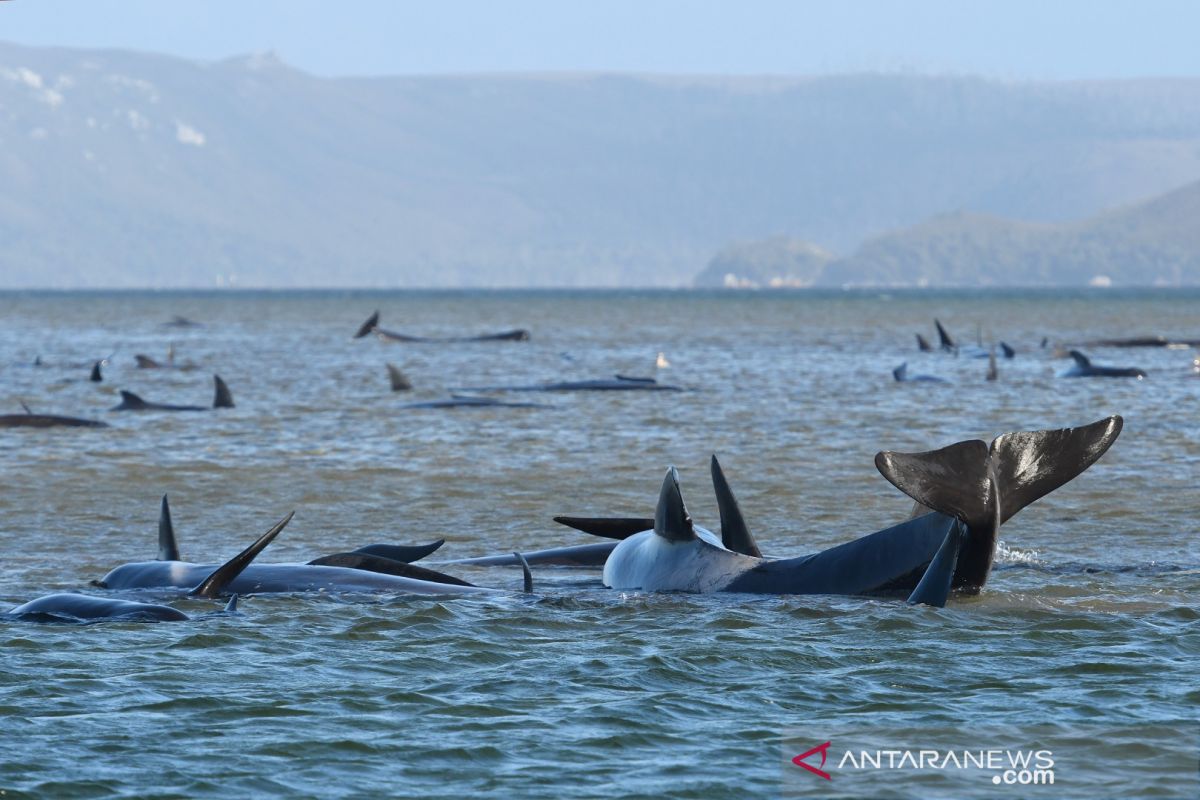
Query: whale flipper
<point x="222" y="576"/>
<point x="399" y="552"/>
<point x="168" y="549"/>
<point x="735" y="534"/>
<point x="608" y="527"/>
<point x="526" y="574"/>
<point x="367" y="326"/>
<point x="386" y="566"/>
<point x="223" y="398"/>
<point x="934" y="586"/>
<point x="671" y="519"/>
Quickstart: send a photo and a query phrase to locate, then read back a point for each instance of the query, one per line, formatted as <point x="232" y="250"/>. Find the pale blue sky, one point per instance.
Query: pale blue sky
<point x="1061" y="39"/>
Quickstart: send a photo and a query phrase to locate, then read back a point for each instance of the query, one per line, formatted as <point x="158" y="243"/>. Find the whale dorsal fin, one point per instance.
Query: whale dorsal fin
<point x="223" y="398"/>
<point x="24" y="406"/>
<point x="954" y="480"/>
<point x="735" y="534"/>
<point x="214" y="585"/>
<point x="96" y="377"/>
<point x="608" y="527"/>
<point x="168" y="550"/>
<point x="1031" y="464"/>
<point x="946" y="342"/>
<point x="399" y="381"/>
<point x="367" y="326"/>
<point x="671" y="519"/>
<point x="145" y="362"/>
<point x="923" y="344"/>
<point x="900" y="373"/>
<point x="1008" y="351"/>
<point x="1080" y="358"/>
<point x="131" y="400"/>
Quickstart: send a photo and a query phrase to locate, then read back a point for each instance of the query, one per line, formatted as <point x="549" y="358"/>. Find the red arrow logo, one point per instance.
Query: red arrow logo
<point x="821" y="748"/>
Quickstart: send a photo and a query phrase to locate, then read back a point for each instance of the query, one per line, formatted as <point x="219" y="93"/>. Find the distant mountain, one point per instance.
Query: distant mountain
<point x="126" y="169"/>
<point x="1153" y="243"/>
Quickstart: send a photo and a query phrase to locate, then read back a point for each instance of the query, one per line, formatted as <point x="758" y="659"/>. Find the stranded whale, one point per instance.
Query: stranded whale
<point x="83" y="607"/>
<point x="222" y="398"/>
<point x="1084" y="368"/>
<point x="372" y="569"/>
<point x="372" y="326"/>
<point x="964" y="492"/>
<point x="32" y="420"/>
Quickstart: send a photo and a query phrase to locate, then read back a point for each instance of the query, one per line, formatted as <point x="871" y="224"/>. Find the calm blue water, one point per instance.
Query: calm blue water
<point x="1090" y="616"/>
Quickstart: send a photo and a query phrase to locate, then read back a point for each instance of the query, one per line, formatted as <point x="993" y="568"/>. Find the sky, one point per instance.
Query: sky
<point x="1014" y="39"/>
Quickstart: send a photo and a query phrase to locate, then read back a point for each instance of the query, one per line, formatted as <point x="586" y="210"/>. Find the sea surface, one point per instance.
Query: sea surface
<point x="1090" y="620"/>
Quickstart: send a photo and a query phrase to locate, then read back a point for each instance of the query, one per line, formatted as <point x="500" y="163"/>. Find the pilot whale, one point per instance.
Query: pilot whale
<point x="32" y="420"/>
<point x="964" y="492"/>
<point x="1084" y="368"/>
<point x="372" y="326"/>
<point x="369" y="570"/>
<point x="617" y="383"/>
<point x="68" y="606"/>
<point x="222" y="398"/>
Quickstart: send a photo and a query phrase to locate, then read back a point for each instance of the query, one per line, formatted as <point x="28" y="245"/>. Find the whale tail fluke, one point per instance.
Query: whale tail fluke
<point x="985" y="486"/>
<point x="168" y="549"/>
<point x="223" y="398"/>
<point x="368" y="326"/>
<point x="214" y="585"/>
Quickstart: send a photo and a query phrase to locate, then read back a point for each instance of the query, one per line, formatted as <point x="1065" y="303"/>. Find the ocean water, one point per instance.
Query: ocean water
<point x="1089" y="621"/>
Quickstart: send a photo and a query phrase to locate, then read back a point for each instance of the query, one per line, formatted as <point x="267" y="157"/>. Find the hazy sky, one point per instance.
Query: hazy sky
<point x="1002" y="38"/>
